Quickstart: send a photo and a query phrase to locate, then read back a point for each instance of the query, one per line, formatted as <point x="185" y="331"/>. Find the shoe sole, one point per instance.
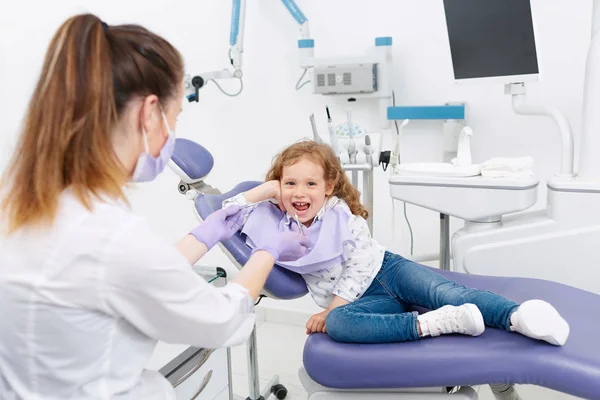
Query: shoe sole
<point x="475" y="314"/>
<point x="544" y="322"/>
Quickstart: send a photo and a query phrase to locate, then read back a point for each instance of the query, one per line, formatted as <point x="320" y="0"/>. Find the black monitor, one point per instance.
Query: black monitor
<point x="492" y="40"/>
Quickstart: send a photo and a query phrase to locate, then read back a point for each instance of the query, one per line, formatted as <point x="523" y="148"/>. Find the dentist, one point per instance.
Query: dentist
<point x="86" y="289"/>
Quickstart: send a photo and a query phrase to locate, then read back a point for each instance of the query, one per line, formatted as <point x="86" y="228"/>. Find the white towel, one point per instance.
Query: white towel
<point x="517" y="167"/>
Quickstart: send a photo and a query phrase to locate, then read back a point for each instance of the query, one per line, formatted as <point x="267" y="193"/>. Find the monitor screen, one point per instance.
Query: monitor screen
<point x="491" y="38"/>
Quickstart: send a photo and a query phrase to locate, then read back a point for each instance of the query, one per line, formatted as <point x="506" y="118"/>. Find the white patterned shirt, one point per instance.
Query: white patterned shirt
<point x="349" y="279"/>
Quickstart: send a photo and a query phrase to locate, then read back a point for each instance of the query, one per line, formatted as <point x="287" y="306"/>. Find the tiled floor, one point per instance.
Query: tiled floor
<point x="280" y="352"/>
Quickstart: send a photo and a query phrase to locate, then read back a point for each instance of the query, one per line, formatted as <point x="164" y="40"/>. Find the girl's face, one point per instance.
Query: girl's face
<point x="303" y="189"/>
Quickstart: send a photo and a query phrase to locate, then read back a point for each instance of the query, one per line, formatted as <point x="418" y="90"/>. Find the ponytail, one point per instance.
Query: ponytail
<point x="89" y="74"/>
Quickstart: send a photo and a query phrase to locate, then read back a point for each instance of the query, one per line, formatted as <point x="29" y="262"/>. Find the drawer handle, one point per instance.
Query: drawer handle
<point x="206" y="354"/>
<point x="203" y="385"/>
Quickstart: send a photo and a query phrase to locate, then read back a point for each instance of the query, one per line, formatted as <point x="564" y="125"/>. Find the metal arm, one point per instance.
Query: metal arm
<point x="379" y="57"/>
<point x="236" y="39"/>
<point x="236" y="48"/>
<point x="299" y="17"/>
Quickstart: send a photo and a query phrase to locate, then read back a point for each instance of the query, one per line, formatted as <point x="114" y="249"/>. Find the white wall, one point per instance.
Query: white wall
<point x="244" y="133"/>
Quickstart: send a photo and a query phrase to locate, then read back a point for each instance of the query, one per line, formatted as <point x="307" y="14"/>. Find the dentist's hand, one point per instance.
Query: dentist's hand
<point x="220" y="225"/>
<point x="285" y="246"/>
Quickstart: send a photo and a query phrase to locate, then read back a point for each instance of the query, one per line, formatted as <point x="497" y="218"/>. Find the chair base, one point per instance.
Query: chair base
<point x="273" y="387"/>
<point x="318" y="392"/>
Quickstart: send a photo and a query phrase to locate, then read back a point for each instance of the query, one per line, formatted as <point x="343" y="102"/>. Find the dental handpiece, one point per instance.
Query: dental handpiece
<point x="332" y="136"/>
<point x="351" y="144"/>
<point x="314" y="129"/>
<point x="368" y="150"/>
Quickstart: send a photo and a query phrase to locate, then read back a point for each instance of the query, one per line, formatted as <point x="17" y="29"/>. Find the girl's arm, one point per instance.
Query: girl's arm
<point x="265" y="191"/>
<point x="336" y="302"/>
<point x="268" y="190"/>
<point x="357" y="275"/>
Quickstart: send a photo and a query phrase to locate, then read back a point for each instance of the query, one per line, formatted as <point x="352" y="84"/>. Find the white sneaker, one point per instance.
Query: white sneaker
<point x="537" y="319"/>
<point x="465" y="319"/>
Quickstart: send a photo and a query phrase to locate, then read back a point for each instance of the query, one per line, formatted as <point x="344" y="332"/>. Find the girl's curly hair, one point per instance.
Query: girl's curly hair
<point x="323" y="155"/>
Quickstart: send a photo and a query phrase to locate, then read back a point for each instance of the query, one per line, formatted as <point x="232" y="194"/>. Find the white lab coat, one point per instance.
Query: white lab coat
<point x="83" y="304"/>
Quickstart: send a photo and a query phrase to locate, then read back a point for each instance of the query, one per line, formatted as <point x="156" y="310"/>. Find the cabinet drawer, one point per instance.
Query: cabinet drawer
<point x="202" y="376"/>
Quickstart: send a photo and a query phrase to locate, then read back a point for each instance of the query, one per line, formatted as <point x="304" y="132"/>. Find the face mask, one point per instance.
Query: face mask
<point x="149" y="167"/>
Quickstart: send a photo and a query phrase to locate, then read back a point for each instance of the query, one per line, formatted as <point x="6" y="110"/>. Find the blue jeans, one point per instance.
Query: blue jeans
<point x="382" y="314"/>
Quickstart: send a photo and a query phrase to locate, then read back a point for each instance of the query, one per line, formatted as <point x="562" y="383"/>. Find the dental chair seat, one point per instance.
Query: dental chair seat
<point x="496" y="357"/>
<point x="281" y="283"/>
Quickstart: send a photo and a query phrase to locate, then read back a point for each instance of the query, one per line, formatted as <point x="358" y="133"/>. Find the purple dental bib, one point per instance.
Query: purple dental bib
<point x="327" y="235"/>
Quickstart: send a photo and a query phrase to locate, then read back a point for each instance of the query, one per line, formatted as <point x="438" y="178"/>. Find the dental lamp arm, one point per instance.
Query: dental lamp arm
<point x="236" y="38"/>
<point x="236" y="49"/>
<point x="299" y="17"/>
<point x="193" y="85"/>
<point x="305" y="43"/>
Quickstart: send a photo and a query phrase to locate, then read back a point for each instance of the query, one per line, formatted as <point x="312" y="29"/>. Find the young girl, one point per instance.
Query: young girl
<point x="364" y="289"/>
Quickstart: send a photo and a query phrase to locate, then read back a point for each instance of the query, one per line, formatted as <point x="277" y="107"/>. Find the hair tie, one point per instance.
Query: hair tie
<point x="104" y="26"/>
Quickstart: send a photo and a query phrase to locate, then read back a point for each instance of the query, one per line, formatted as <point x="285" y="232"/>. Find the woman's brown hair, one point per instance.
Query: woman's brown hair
<point x="90" y="73"/>
<point x="322" y="155"/>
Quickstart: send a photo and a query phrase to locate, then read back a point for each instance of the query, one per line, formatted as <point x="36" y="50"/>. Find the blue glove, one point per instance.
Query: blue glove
<point x="220" y="225"/>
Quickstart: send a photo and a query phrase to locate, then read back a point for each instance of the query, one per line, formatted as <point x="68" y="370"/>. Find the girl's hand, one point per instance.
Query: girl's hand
<point x="316" y="323"/>
<point x="275" y="190"/>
